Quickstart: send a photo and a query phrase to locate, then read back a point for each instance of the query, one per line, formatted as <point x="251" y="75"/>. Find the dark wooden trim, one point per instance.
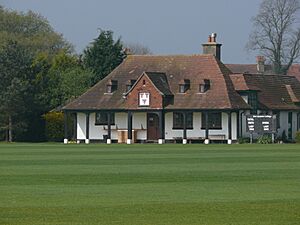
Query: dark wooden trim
<point x="155" y="110"/>
<point x="129" y="125"/>
<point x="161" y="117"/>
<point x="66" y="124"/>
<point x="229" y="126"/>
<point x="108" y="125"/>
<point x="206" y="125"/>
<point x="75" y="126"/>
<point x="184" y="125"/>
<point x="87" y="125"/>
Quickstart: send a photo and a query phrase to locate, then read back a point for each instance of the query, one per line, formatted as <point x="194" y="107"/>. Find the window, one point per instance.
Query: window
<point x="178" y="120"/>
<point x="184" y="85"/>
<point x="204" y="87"/>
<point x="128" y="87"/>
<point x="111" y="86"/>
<point x="214" y="121"/>
<point x="102" y="118"/>
<point x="181" y="88"/>
<point x="129" y="84"/>
<point x="253" y="102"/>
<point x="109" y="89"/>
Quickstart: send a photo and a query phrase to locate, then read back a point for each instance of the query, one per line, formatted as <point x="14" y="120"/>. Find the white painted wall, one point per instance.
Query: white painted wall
<point x="139" y="121"/>
<point x="170" y="133"/>
<point x="80" y="126"/>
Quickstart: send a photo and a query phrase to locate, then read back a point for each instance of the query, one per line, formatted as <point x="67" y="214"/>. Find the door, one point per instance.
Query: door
<point x="152" y="126"/>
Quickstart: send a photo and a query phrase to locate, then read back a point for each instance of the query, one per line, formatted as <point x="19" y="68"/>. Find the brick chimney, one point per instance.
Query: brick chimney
<point x="260" y="60"/>
<point x="212" y="47"/>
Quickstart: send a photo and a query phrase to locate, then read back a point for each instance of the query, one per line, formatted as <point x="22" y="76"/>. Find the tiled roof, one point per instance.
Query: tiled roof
<point x="240" y="83"/>
<point x="196" y="68"/>
<point x="278" y="92"/>
<point x="160" y="81"/>
<point x="294" y="70"/>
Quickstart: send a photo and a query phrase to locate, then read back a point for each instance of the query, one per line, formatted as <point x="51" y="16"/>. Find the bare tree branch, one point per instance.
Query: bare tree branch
<point x="276" y="33"/>
<point x="137" y="49"/>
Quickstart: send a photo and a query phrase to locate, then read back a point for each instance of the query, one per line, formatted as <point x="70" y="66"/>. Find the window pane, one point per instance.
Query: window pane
<point x="252" y="101"/>
<point x="177" y="120"/>
<point x="214" y="121"/>
<point x="102" y="118"/>
<point x="189" y="120"/>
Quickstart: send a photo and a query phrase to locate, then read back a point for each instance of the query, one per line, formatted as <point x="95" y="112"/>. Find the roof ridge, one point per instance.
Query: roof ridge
<point x="170" y="55"/>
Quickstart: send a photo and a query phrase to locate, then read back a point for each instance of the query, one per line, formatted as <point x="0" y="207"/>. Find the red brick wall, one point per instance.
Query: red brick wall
<point x="156" y="100"/>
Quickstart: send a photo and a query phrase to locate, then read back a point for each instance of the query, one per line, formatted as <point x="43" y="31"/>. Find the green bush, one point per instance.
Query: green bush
<point x="243" y="140"/>
<point x="297" y="138"/>
<point x="264" y="139"/>
<point x="54" y="126"/>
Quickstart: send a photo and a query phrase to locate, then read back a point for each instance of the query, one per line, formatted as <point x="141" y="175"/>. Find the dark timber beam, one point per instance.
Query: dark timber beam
<point x="229" y="141"/>
<point x="129" y="127"/>
<point x="161" y="117"/>
<point x="184" y="141"/>
<point x="75" y="127"/>
<point x="66" y="127"/>
<point x="87" y="127"/>
<point x="206" y="128"/>
<point x="237" y="125"/>
<point x="108" y="141"/>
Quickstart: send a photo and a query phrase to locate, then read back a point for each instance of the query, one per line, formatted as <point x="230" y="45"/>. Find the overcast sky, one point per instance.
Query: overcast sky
<point x="165" y="26"/>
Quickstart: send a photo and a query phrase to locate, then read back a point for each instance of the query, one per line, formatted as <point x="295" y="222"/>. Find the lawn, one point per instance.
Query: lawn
<point x="149" y="184"/>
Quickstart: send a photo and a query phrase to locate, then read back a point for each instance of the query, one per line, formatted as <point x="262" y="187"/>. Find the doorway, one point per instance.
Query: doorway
<point x="152" y="127"/>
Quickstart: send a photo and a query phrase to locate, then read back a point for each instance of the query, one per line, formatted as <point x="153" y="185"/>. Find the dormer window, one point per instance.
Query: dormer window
<point x="205" y="86"/>
<point x="129" y="84"/>
<point x="184" y="85"/>
<point x="253" y="101"/>
<point x="111" y="86"/>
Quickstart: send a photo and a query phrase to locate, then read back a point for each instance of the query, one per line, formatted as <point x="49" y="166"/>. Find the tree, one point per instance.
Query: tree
<point x="276" y="33"/>
<point x="30" y="52"/>
<point x="32" y="31"/>
<point x="137" y="49"/>
<point x="15" y="86"/>
<point x="103" y="55"/>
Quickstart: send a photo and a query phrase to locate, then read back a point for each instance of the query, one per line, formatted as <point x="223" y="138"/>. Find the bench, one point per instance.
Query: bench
<point x="217" y="137"/>
<point x="213" y="137"/>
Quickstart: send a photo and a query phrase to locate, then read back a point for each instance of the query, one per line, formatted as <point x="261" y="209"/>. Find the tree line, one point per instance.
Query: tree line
<point x="40" y="72"/>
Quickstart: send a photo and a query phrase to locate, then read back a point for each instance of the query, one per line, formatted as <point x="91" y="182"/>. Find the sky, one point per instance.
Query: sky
<point x="167" y="27"/>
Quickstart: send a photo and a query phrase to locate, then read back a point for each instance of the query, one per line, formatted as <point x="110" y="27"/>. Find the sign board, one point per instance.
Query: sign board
<point x="144" y="99"/>
<point x="261" y="124"/>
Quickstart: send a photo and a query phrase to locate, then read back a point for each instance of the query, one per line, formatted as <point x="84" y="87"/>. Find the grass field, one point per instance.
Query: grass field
<point x="150" y="184"/>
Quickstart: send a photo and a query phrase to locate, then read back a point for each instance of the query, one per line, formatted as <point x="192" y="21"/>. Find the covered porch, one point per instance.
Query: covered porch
<point x="154" y="126"/>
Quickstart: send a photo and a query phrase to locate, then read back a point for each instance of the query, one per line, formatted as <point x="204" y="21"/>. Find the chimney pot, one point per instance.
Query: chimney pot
<point x="209" y="39"/>
<point x="260" y="60"/>
<point x="214" y="37"/>
<point x="212" y="47"/>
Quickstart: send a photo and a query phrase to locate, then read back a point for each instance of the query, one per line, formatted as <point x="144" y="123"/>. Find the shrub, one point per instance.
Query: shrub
<point x="264" y="139"/>
<point x="54" y="126"/>
<point x="243" y="140"/>
<point x="297" y="138"/>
